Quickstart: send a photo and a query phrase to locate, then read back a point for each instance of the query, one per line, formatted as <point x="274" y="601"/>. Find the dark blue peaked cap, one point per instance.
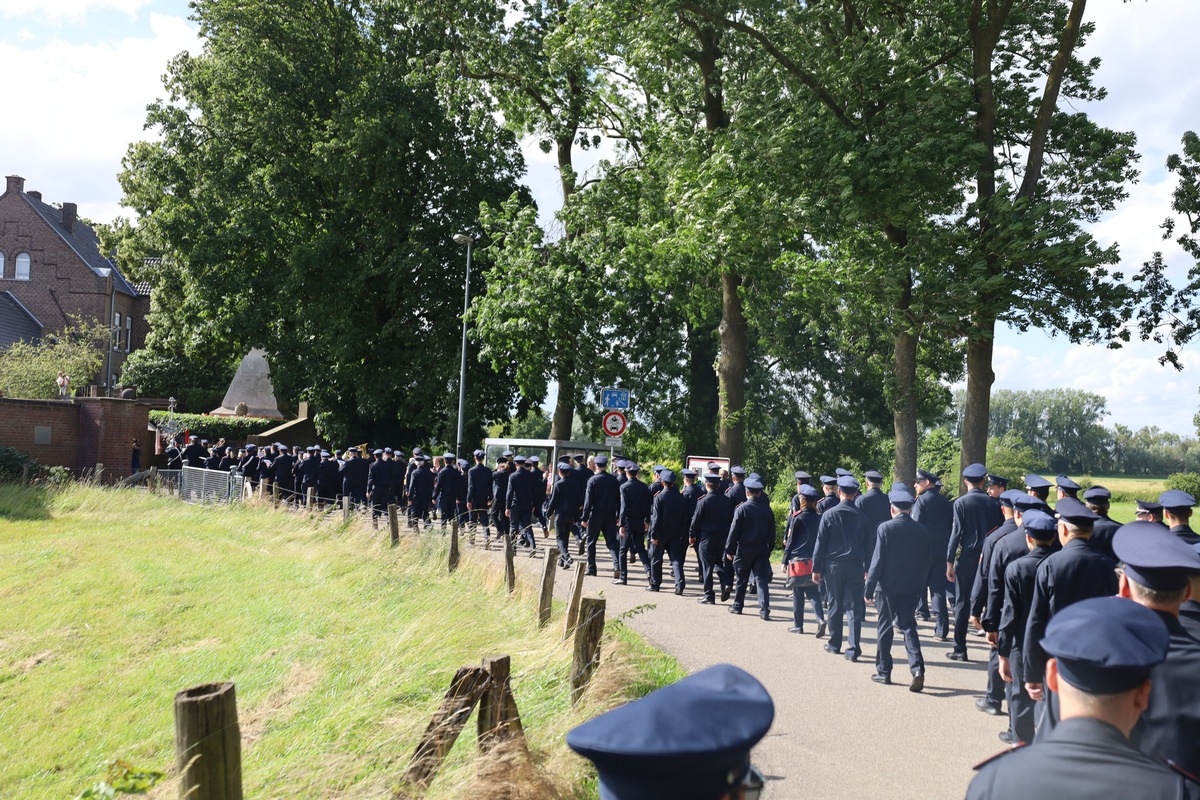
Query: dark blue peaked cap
<point x="975" y="472"/>
<point x="1155" y="557"/>
<point x="1106" y="645"/>
<point x="1036" y="482"/>
<point x="1176" y="498"/>
<point x="1063" y="482"/>
<point x="687" y="741"/>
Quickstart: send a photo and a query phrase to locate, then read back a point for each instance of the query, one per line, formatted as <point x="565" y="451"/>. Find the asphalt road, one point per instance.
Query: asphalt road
<point x="836" y="733"/>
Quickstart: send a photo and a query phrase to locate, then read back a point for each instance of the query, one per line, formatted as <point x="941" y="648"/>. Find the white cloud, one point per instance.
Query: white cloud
<point x="78" y="106"/>
<point x="59" y="11"/>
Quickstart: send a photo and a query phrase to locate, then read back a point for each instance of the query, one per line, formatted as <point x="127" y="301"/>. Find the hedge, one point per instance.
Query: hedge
<point x="234" y="429"/>
<point x="13" y="463"/>
<point x="1185" y="481"/>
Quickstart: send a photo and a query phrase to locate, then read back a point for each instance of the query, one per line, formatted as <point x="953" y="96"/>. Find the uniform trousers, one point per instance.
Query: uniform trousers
<point x="603" y="524"/>
<point x="633" y="545"/>
<point x="995" y="684"/>
<point x="813" y="594"/>
<point x="939" y="590"/>
<point x="760" y="567"/>
<point x="896" y="611"/>
<point x="562" y="536"/>
<point x="418" y="511"/>
<point x="712" y="562"/>
<point x="964" y="579"/>
<point x="380" y="500"/>
<point x="479" y="518"/>
<point x="846" y="587"/>
<point x="675" y="551"/>
<point x="500" y="522"/>
<point x="521" y="520"/>
<point x="1020" y="704"/>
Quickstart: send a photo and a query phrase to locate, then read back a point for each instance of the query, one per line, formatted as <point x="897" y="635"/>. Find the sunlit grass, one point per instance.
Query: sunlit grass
<point x="340" y="646"/>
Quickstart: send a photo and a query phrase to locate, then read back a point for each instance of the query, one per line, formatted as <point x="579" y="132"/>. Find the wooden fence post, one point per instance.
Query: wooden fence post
<point x="574" y="597"/>
<point x="98" y="474"/>
<point x="585" y="655"/>
<point x="448" y="721"/>
<point x="25" y="475"/>
<point x="394" y="523"/>
<point x="310" y="502"/>
<point x="453" y="545"/>
<point x="154" y="480"/>
<point x="510" y="569"/>
<point x="275" y="494"/>
<point x="498" y="718"/>
<point x="546" y="596"/>
<point x="345" y="508"/>
<point x="208" y="743"/>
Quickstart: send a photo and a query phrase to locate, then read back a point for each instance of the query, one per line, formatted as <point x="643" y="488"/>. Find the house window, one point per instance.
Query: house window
<point x="22" y="271"/>
<point x="116" y="330"/>
<point x="128" y="331"/>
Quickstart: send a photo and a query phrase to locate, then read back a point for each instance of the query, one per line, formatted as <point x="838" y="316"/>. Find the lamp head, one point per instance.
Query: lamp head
<point x="462" y="238"/>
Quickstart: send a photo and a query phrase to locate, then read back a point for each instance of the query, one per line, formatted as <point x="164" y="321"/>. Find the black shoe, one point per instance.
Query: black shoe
<point x="886" y="680"/>
<point x="982" y="704"/>
<point x="620" y="582"/>
<point x="651" y="588"/>
<point x="795" y="629"/>
<point x="616" y="574"/>
<point x="957" y="655"/>
<point x="918" y="682"/>
<point x="820" y="630"/>
<point x="1006" y="737"/>
<point x="852" y="656"/>
<point x="706" y="601"/>
<point x="591" y="573"/>
<point x="831" y="649"/>
<point x="735" y="610"/>
<point x="725" y="590"/>
<point x="580" y="549"/>
<point x="766" y="615"/>
<point x="678" y="590"/>
<point x="925" y="618"/>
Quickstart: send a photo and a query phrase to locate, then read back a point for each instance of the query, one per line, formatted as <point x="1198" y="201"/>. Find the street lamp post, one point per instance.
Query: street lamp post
<point x="469" y="241"/>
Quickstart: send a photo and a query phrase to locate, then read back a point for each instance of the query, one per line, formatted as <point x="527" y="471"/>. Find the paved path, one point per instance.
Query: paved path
<point x="836" y="734"/>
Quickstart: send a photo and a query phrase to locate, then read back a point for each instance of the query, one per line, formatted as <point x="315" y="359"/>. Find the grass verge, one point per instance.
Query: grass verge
<point x="340" y="646"/>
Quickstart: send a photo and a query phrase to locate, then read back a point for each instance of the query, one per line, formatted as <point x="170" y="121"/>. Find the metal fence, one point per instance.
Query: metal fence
<point x="197" y="485"/>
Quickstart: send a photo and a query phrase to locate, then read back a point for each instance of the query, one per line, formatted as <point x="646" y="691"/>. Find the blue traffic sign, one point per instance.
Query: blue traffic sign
<point x="614" y="399"/>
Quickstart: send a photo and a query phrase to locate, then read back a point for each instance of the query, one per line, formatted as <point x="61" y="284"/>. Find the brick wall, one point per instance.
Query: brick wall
<point x="88" y="431"/>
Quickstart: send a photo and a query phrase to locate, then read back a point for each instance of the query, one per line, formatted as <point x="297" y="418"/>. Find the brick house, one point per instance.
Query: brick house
<point x="51" y="268"/>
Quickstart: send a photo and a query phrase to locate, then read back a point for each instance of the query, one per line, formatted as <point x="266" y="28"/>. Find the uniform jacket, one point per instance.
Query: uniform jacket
<point x="752" y="532"/>
<point x="979" y="588"/>
<point x="801" y="535"/>
<point x="521" y="491"/>
<point x="379" y="479"/>
<point x="668" y="516"/>
<point x="935" y="512"/>
<point x="564" y="500"/>
<point x="899" y="565"/>
<point x="354" y="474"/>
<point x="479" y="487"/>
<point x="635" y="505"/>
<point x="710" y="524"/>
<point x="500" y="489"/>
<point x="1170" y="727"/>
<point x="420" y="485"/>
<point x="842" y="538"/>
<point x="602" y="497"/>
<point x="975" y="516"/>
<point x="1019" y="578"/>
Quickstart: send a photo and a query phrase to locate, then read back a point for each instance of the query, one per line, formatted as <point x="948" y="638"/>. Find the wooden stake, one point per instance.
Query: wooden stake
<point x="394" y="523"/>
<point x="585" y="656"/>
<point x="510" y="569"/>
<point x="546" y="596"/>
<point x="98" y="475"/>
<point x="154" y="480"/>
<point x="497" y="719"/>
<point x="345" y="508"/>
<point x="453" y="545"/>
<point x="208" y="743"/>
<point x="275" y="495"/>
<point x="310" y="502"/>
<point x="448" y="721"/>
<point x="574" y="597"/>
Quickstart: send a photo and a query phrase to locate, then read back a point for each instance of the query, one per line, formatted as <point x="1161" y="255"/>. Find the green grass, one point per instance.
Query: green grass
<point x="340" y="646"/>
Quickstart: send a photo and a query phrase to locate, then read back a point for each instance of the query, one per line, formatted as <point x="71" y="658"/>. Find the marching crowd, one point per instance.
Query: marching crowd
<point x="1112" y="684"/>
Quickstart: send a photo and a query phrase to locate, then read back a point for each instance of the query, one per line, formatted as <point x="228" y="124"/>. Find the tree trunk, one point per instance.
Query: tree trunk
<point x="978" y="403"/>
<point x="564" y="404"/>
<point x="904" y="411"/>
<point x="703" y="392"/>
<point x="731" y="370"/>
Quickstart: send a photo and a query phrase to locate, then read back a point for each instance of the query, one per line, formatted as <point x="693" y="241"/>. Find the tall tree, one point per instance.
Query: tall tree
<point x="310" y="176"/>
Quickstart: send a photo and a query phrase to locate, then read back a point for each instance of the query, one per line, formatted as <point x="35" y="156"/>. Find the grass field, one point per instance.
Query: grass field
<point x="341" y="647"/>
<point x="1126" y="490"/>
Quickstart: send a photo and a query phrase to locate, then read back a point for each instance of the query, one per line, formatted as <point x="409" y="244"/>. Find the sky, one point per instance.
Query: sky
<point x="78" y="74"/>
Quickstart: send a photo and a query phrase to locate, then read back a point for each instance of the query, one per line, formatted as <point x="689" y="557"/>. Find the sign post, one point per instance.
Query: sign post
<point x="615" y="403"/>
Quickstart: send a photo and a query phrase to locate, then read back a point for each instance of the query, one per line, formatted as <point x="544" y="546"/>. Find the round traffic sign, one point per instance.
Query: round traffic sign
<point x="614" y="423"/>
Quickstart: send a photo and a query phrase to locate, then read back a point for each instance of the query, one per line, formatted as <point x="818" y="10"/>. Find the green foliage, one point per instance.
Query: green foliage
<point x="123" y="778"/>
<point x="233" y="429"/>
<point x="1062" y="427"/>
<point x="15" y="463"/>
<point x="30" y="370"/>
<point x="1185" y="481"/>
<point x="938" y="452"/>
<point x="198" y="385"/>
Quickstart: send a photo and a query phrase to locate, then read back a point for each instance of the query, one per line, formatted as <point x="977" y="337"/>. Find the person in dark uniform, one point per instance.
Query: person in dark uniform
<point x="1156" y="572"/>
<point x="993" y="700"/>
<point x="355" y="476"/>
<point x="1038" y="486"/>
<point x="634" y="519"/>
<point x="667" y="747"/>
<point x="328" y="479"/>
<point x="562" y="505"/>
<point x="1097" y="498"/>
<point x="840" y="558"/>
<point x="193" y="454"/>
<point x="656" y="485"/>
<point x="174" y="459"/>
<point x="581" y="475"/>
<point x="379" y="484"/>
<point x="997" y="485"/>
<point x="709" y="531"/>
<point x="829" y="487"/>
<point x="895" y="580"/>
<point x="619" y="471"/>
<point x="519" y="503"/>
<point x="799" y="541"/>
<point x="933" y="510"/>
<point x="1177" y="514"/>
<point x="1038" y="531"/>
<point x="284" y="475"/>
<point x="1150" y="510"/>
<point x="975" y="516"/>
<point x="420" y="492"/>
<point x="1075" y="573"/>
<point x="539" y="494"/>
<point x="1104" y="652"/>
<point x="874" y="503"/>
<point x="668" y="533"/>
<point x="447" y="488"/>
<point x="737" y="492"/>
<point x="500" y="477"/>
<point x="1066" y="487"/>
<point x="479" y="498"/>
<point x="601" y="502"/>
<point x="692" y="492"/>
<point x="751" y="540"/>
<point x="310" y="472"/>
<point x="1189" y="612"/>
<point x="399" y="470"/>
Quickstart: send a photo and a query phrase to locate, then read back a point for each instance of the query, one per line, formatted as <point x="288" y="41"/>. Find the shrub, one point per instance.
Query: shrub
<point x="234" y="429"/>
<point x="13" y="463"/>
<point x="1185" y="481"/>
<point x="29" y="370"/>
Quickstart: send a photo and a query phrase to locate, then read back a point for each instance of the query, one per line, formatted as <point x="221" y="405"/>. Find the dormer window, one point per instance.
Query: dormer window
<point x="22" y="271"/>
